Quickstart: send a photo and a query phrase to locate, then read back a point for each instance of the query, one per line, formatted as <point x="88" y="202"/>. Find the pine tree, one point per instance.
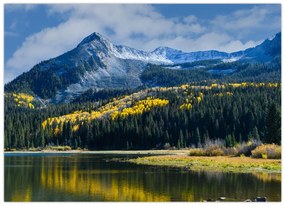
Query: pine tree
<point x="42" y="136"/>
<point x="197" y="137"/>
<point x="273" y="125"/>
<point x="255" y="134"/>
<point x="228" y="140"/>
<point x="69" y="133"/>
<point x="6" y="143"/>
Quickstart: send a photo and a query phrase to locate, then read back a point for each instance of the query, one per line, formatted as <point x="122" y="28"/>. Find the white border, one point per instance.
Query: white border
<point x="2" y="2"/>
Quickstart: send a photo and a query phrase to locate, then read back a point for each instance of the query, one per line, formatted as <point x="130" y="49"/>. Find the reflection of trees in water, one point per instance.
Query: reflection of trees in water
<point x="93" y="183"/>
<point x="22" y="196"/>
<point x="20" y="176"/>
<point x="82" y="178"/>
<point x="240" y="186"/>
<point x="267" y="177"/>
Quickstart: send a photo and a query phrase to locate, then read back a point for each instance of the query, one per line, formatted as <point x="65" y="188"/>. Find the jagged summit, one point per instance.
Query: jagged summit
<point x="165" y="49"/>
<point x="93" y="37"/>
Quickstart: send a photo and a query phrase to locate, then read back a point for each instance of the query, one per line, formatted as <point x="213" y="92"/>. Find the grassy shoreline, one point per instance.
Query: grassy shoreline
<point x="143" y="152"/>
<point x="215" y="164"/>
<point x="181" y="159"/>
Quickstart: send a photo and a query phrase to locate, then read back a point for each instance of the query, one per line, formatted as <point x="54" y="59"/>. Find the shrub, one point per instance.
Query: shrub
<point x="10" y="149"/>
<point x="214" y="147"/>
<point x="267" y="151"/>
<point x="246" y="148"/>
<point x="34" y="149"/>
<point x="215" y="150"/>
<point x="231" y="151"/>
<point x="166" y="146"/>
<point x="197" y="152"/>
<point x="60" y="148"/>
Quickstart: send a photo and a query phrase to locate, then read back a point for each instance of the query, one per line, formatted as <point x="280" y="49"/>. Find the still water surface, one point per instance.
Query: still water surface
<point x="93" y="177"/>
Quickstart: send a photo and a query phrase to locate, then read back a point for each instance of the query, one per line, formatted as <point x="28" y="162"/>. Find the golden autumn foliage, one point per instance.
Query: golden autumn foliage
<point x="140" y="107"/>
<point x="224" y="94"/>
<point x="23" y="99"/>
<point x="186" y="106"/>
<point x="139" y="102"/>
<point x="75" y="128"/>
<point x="248" y="84"/>
<point x="190" y="99"/>
<point x="122" y="107"/>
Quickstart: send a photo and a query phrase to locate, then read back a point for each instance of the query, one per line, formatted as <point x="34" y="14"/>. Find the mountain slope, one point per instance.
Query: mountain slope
<point x="266" y="51"/>
<point x="93" y="63"/>
<point x="97" y="63"/>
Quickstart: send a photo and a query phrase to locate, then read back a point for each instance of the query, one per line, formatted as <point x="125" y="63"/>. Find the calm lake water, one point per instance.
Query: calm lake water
<point x="92" y="177"/>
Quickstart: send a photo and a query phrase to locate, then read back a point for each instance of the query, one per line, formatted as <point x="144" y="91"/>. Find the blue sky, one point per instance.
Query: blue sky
<point x="34" y="33"/>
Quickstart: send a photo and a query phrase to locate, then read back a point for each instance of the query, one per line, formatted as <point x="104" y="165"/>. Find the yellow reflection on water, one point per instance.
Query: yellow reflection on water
<point x="95" y="183"/>
<point x="188" y="196"/>
<point x="22" y="196"/>
<point x="78" y="179"/>
<point x="267" y="177"/>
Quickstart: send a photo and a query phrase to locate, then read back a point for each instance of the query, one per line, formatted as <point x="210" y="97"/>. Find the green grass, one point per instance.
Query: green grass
<point x="219" y="163"/>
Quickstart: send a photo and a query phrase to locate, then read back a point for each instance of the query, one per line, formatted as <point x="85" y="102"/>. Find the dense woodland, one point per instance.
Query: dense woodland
<point x="187" y="118"/>
<point x="157" y="75"/>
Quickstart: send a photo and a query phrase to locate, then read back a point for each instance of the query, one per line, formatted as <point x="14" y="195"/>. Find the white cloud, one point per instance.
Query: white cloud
<point x="190" y="19"/>
<point x="150" y="28"/>
<point x="244" y="23"/>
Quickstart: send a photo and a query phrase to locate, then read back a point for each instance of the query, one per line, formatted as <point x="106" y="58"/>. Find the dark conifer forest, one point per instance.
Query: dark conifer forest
<point x="148" y="118"/>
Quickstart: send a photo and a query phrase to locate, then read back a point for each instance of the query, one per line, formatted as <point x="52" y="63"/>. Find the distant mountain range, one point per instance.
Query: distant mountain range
<point x="98" y="63"/>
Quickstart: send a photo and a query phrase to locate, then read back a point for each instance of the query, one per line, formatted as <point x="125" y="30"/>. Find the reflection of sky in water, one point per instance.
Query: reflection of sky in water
<point x="91" y="178"/>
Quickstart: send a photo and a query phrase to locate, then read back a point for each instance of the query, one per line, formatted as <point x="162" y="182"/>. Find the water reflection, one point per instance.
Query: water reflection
<point x="91" y="178"/>
<point x="73" y="177"/>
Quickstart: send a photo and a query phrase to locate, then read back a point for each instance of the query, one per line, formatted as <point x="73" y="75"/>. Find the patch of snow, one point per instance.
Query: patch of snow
<point x="75" y="89"/>
<point x="124" y="52"/>
<point x="233" y="59"/>
<point x="200" y="66"/>
<point x="225" y="71"/>
<point x="271" y="37"/>
<point x="175" y="67"/>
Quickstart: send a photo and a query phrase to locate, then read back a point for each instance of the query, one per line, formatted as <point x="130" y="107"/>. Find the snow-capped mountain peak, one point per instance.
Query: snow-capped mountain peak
<point x="93" y="37"/>
<point x="103" y="47"/>
<point x="165" y="51"/>
<point x="98" y="63"/>
<point x="96" y="43"/>
<point x="125" y="52"/>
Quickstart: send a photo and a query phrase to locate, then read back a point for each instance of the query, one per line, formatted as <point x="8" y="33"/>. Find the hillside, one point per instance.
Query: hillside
<point x="181" y="116"/>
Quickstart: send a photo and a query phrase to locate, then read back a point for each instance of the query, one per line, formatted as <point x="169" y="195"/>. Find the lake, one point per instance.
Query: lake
<point x="94" y="177"/>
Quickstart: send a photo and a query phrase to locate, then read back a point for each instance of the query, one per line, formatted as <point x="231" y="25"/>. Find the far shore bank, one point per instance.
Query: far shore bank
<point x="215" y="164"/>
<point x="144" y="152"/>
